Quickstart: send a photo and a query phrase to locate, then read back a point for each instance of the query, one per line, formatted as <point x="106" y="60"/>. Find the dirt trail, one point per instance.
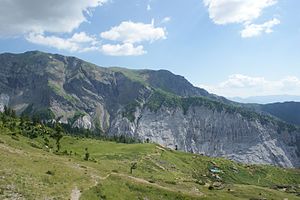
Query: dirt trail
<point x="11" y="149"/>
<point x="75" y="195"/>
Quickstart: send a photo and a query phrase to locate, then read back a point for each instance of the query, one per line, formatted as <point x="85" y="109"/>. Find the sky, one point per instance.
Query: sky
<point x="229" y="47"/>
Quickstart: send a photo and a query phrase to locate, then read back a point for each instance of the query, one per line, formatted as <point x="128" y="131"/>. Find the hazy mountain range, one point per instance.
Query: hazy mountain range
<point x="267" y="99"/>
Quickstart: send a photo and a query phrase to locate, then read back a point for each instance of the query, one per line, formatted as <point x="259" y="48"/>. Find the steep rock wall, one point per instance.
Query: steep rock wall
<point x="213" y="133"/>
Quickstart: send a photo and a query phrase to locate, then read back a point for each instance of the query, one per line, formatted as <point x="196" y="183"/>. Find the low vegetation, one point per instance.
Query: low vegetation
<point x="43" y="162"/>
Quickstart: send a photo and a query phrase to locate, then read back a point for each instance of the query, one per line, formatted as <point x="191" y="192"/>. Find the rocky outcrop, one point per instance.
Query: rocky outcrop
<point x="4" y="100"/>
<point x="214" y="133"/>
<point x="84" y="122"/>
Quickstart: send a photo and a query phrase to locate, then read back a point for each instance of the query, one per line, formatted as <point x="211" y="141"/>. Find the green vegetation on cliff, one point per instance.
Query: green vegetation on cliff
<point x="161" y="98"/>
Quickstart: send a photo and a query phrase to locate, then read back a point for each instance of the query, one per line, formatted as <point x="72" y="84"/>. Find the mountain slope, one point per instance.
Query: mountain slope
<point x="160" y="173"/>
<point x="144" y="104"/>
<point x="287" y="111"/>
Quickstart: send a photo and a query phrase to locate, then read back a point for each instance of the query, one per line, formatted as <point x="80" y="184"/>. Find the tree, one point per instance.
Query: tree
<point x="36" y="119"/>
<point x="24" y="118"/>
<point x="87" y="154"/>
<point x="13" y="113"/>
<point x="57" y="135"/>
<point x="46" y="141"/>
<point x="6" y="110"/>
<point x="133" y="166"/>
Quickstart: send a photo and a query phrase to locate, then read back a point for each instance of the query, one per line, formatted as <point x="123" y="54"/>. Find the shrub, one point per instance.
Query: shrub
<point x="50" y="173"/>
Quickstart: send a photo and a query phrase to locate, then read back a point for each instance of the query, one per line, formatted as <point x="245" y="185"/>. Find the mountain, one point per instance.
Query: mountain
<point x="287" y="111"/>
<point x="148" y="105"/>
<point x="267" y="99"/>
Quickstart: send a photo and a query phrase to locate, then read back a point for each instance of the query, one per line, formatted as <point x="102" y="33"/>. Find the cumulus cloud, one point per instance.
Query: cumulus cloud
<point x="236" y="11"/>
<point x="126" y="49"/>
<point x="79" y="42"/>
<point x="246" y="86"/>
<point x="53" y="23"/>
<point x="56" y="16"/>
<point x="130" y="32"/>
<point x="252" y="30"/>
<point x="127" y="34"/>
<point x="224" y="12"/>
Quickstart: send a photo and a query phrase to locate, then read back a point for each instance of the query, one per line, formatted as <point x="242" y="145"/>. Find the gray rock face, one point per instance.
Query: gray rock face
<point x="4" y="100"/>
<point x="204" y="131"/>
<point x="83" y="122"/>
<point x="35" y="82"/>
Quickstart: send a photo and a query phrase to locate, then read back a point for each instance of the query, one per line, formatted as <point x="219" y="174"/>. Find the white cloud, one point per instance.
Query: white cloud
<point x="246" y="86"/>
<point x="52" y="24"/>
<point x="79" y="42"/>
<point x="148" y="7"/>
<point x="236" y="11"/>
<point x="130" y="32"/>
<point x="18" y="16"/>
<point x="252" y="30"/>
<point x="82" y="37"/>
<point x="224" y="12"/>
<point x="127" y="33"/>
<point x="126" y="49"/>
<point x="166" y="20"/>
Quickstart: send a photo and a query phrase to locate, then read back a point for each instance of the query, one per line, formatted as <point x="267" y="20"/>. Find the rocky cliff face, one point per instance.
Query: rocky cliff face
<point x="155" y="105"/>
<point x="34" y="82"/>
<point x="214" y="133"/>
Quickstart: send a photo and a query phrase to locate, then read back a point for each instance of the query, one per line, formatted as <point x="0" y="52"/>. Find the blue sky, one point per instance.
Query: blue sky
<point x="229" y="47"/>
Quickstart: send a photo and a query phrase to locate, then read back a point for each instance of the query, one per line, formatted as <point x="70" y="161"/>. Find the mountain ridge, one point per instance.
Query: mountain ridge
<point x="269" y="99"/>
<point x="144" y="104"/>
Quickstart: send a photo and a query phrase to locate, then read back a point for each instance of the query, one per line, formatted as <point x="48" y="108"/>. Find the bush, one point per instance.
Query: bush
<point x="170" y="182"/>
<point x="133" y="166"/>
<point x="50" y="173"/>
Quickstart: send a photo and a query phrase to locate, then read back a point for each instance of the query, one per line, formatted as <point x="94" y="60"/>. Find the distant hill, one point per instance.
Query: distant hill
<point x="287" y="111"/>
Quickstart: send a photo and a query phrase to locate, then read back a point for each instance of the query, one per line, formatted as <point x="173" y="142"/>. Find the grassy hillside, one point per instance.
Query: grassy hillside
<point x="93" y="169"/>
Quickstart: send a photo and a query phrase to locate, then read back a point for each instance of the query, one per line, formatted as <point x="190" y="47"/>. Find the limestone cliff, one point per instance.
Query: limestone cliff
<point x="214" y="133"/>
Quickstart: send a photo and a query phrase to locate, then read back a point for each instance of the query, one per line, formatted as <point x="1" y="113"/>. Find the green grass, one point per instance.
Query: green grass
<point x="30" y="170"/>
<point x="133" y="75"/>
<point x="60" y="92"/>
